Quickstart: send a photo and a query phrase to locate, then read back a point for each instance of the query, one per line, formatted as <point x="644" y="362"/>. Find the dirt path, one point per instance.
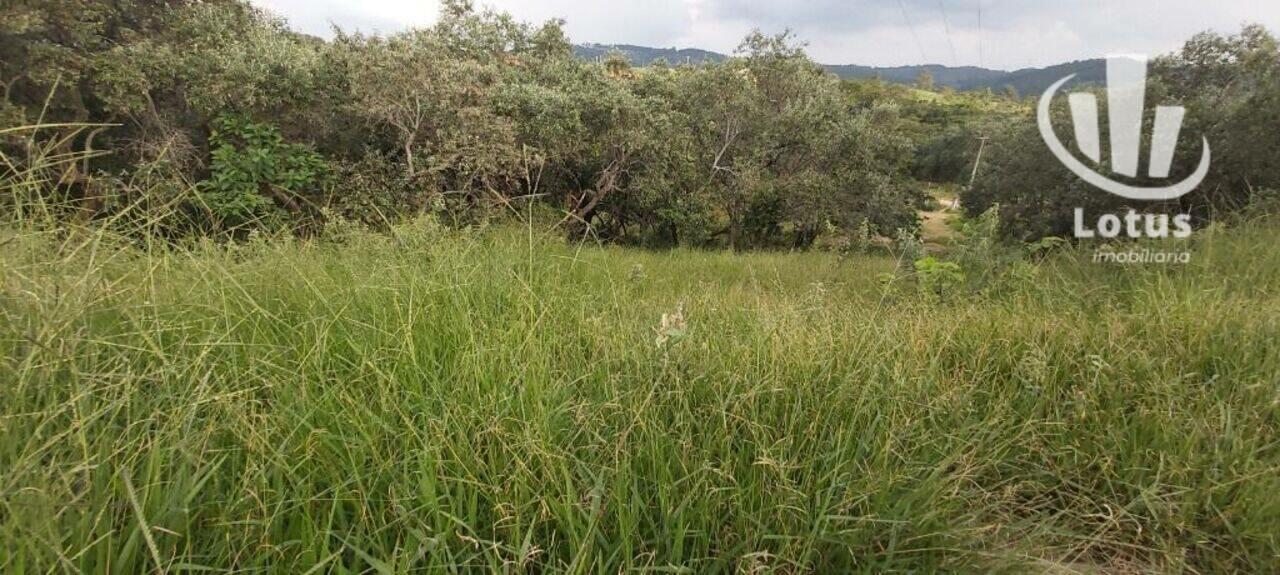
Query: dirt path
<point x="935" y="230"/>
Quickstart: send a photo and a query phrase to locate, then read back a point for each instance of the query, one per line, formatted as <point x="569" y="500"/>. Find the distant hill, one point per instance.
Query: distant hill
<point x="971" y="78"/>
<point x="942" y="75"/>
<point x="644" y="55"/>
<point x="965" y="78"/>
<point x="1035" y="80"/>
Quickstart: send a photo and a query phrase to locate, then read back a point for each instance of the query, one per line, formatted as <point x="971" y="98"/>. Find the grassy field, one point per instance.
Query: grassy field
<point x="492" y="400"/>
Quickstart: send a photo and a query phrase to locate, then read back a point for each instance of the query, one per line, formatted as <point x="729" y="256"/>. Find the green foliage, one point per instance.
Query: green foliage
<point x="945" y="127"/>
<point x="989" y="260"/>
<point x="375" y="191"/>
<point x="1035" y="193"/>
<point x="858" y="241"/>
<point x="481" y="111"/>
<point x="1045" y="246"/>
<point x="1230" y="86"/>
<point x="938" y="280"/>
<point x="257" y="179"/>
<point x="980" y="236"/>
<point x="907" y="249"/>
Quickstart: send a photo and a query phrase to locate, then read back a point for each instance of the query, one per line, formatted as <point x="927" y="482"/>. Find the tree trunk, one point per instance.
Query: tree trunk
<point x="281" y="197"/>
<point x="408" y="157"/>
<point x="582" y="209"/>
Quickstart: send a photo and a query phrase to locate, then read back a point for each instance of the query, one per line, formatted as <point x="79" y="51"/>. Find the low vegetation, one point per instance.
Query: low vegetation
<point x="497" y="399"/>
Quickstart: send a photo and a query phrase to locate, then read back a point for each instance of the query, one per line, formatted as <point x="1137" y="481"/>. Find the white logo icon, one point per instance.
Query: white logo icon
<point x="1126" y="91"/>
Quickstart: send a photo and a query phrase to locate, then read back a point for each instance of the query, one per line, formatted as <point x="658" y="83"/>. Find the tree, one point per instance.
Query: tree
<point x="925" y="80"/>
<point x="784" y="150"/>
<point x="1230" y="86"/>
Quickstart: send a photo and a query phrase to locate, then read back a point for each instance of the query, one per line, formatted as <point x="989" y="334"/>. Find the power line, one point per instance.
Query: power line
<point x="946" y="25"/>
<point x="981" y="63"/>
<point x="923" y="59"/>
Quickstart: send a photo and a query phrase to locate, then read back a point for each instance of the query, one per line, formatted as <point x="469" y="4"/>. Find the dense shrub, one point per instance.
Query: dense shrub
<point x="473" y="115"/>
<point x="480" y="113"/>
<point x="257" y="179"/>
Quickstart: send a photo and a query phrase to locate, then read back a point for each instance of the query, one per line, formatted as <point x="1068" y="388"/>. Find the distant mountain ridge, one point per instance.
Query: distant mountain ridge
<point x="1036" y="80"/>
<point x="942" y="75"/>
<point x="964" y="78"/>
<point x="644" y="55"/>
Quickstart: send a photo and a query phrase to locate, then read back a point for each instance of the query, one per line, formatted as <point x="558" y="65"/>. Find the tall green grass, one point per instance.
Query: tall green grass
<point x="434" y="400"/>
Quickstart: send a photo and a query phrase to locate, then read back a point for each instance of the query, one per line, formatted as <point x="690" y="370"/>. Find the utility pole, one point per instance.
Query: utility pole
<point x="978" y="161"/>
<point x="973" y="176"/>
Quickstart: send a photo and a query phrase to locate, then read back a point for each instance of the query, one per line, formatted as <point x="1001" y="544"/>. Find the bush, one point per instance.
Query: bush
<point x="938" y="280"/>
<point x="257" y="179"/>
<point x="374" y="190"/>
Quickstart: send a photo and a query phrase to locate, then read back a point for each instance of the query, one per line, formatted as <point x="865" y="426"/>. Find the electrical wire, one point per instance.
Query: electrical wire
<point x="981" y="63"/>
<point x="923" y="59"/>
<point x="946" y="26"/>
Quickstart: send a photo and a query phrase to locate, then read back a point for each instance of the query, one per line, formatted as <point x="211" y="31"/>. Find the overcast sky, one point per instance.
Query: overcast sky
<point x="1009" y="34"/>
